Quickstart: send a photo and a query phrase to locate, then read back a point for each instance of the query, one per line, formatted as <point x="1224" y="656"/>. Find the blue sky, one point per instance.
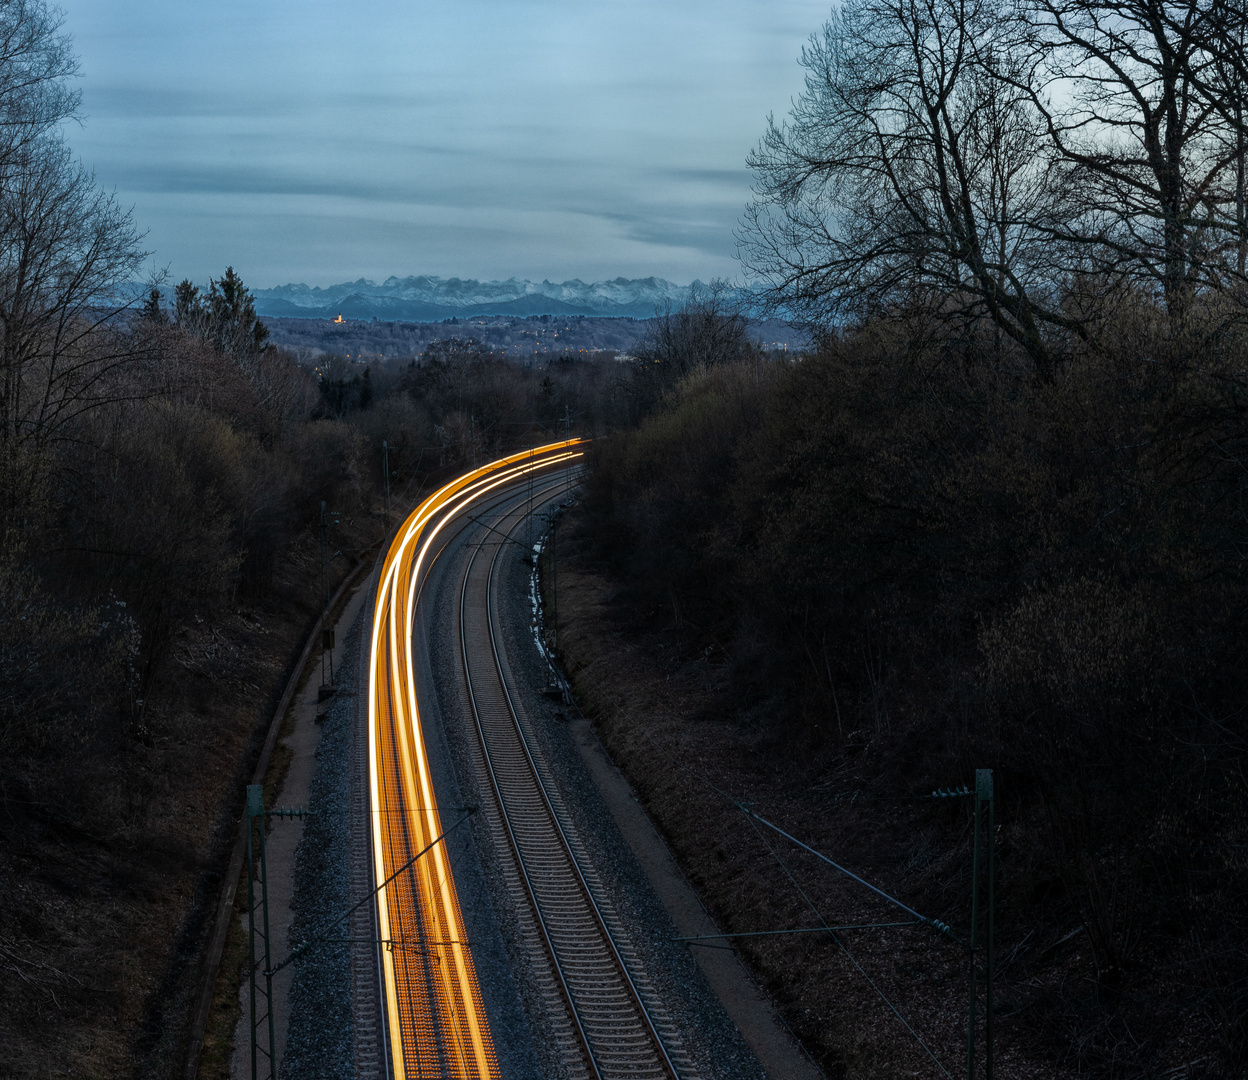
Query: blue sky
<point x="318" y="142"/>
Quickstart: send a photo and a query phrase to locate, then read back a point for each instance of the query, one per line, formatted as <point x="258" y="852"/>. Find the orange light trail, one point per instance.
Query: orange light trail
<point x="437" y="1024"/>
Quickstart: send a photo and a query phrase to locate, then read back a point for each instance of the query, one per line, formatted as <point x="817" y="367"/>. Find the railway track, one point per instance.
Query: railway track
<point x="613" y="1025"/>
<point x="433" y="1020"/>
<point x="599" y="1014"/>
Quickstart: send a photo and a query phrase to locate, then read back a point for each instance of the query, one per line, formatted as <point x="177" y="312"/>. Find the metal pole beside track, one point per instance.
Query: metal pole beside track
<point x="251" y="926"/>
<point x="255" y="814"/>
<point x="983" y="783"/>
<point x="983" y="801"/>
<point x="268" y="952"/>
<point x="385" y="471"/>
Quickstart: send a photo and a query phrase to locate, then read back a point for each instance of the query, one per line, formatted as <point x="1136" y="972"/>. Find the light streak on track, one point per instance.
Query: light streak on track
<point x="434" y="1016"/>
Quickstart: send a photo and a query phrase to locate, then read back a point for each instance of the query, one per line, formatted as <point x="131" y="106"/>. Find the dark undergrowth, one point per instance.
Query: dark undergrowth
<point x="162" y="560"/>
<point x="911" y="562"/>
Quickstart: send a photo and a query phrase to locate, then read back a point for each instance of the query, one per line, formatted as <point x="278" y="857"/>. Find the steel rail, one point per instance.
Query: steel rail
<point x="511" y="836"/>
<point x="524" y="742"/>
<point x="450" y="986"/>
<point x="580" y="885"/>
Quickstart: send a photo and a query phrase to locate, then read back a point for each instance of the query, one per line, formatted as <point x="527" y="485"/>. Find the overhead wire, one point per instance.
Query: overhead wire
<point x="747" y="810"/>
<point x="841" y="945"/>
<point x="754" y="820"/>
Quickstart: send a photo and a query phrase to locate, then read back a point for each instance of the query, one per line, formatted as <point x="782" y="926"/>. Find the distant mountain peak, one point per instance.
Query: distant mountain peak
<point x="425" y="298"/>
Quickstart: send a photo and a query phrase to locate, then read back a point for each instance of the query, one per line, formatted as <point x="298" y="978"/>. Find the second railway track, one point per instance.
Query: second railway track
<point x="613" y="1026"/>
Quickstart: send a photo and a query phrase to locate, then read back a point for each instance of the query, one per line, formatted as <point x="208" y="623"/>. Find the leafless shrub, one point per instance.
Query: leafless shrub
<point x="67" y="672"/>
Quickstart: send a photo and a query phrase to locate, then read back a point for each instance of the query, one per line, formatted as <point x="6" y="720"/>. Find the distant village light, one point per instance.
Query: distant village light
<point x="339" y="319"/>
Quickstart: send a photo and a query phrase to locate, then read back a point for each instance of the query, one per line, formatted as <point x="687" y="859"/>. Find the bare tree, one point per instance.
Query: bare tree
<point x="909" y="173"/>
<point x="225" y="319"/>
<point x="707" y="330"/>
<point x="1229" y="83"/>
<point x="36" y="59"/>
<point x="1142" y="103"/>
<point x="1007" y="160"/>
<point x="64" y="247"/>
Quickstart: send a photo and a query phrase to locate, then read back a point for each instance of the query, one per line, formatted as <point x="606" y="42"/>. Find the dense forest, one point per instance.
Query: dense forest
<point x="160" y="566"/>
<point x="994" y="517"/>
<point x="162" y="474"/>
<point x="907" y="568"/>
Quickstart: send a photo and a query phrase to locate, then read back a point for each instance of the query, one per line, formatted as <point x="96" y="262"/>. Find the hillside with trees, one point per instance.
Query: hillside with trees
<point x="162" y="471"/>
<point x="532" y="340"/>
<point x="994" y="520"/>
<point x="994" y="517"/>
<point x="160" y="571"/>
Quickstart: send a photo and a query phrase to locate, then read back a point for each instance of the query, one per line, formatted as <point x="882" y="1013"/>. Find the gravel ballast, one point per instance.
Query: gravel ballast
<point x="712" y="1041"/>
<point x="321" y="1036"/>
<point x="320" y="1042"/>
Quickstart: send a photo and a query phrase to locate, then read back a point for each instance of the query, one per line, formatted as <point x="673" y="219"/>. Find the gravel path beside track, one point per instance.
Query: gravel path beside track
<point x="320" y="1043"/>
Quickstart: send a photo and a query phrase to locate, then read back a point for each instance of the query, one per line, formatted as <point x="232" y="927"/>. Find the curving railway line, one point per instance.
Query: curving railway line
<point x="604" y="1019"/>
<point x="615" y="1027"/>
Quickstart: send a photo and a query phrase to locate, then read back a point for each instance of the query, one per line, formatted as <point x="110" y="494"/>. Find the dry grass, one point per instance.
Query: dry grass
<point x="661" y="701"/>
<point x="218" y="1049"/>
<point x="109" y="876"/>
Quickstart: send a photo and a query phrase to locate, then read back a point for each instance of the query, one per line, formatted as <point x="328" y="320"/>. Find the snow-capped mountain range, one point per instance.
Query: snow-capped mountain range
<point x="428" y="299"/>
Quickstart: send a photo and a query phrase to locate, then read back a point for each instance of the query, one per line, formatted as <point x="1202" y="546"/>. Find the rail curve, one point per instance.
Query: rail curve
<point x="435" y="1024"/>
<point x="616" y="1028"/>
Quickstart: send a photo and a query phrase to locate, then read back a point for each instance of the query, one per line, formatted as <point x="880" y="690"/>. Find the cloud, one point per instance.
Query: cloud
<point x="550" y="138"/>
